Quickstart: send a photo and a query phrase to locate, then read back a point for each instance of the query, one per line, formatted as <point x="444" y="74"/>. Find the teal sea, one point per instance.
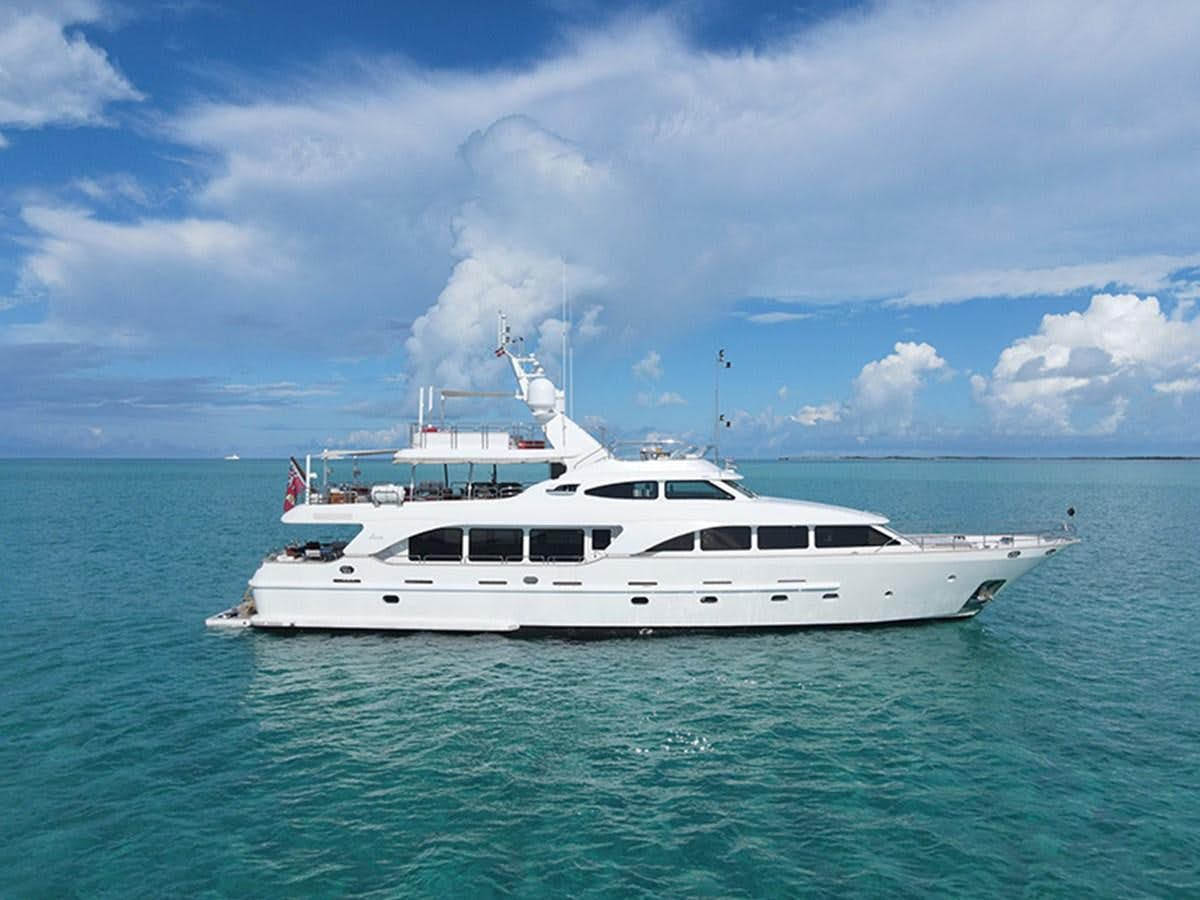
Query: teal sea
<point x="1049" y="747"/>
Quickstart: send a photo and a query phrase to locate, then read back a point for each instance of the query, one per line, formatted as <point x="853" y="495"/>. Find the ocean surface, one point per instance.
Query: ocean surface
<point x="1049" y="747"/>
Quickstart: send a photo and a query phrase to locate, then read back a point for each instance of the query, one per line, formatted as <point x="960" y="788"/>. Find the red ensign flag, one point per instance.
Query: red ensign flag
<point x="294" y="486"/>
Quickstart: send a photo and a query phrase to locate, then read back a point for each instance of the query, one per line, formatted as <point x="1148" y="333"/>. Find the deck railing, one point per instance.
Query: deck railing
<point x="1013" y="540"/>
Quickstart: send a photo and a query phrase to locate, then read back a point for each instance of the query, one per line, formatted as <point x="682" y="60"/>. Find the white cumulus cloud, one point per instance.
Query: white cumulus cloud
<point x="809" y="415"/>
<point x="885" y="390"/>
<point x="1079" y="372"/>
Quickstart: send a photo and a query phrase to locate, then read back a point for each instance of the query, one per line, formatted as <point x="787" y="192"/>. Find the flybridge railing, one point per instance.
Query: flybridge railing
<point x="1013" y="540"/>
<point x="655" y="448"/>
<point x="474" y="437"/>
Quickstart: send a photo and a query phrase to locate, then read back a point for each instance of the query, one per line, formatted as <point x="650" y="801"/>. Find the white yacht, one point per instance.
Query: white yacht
<point x="669" y="540"/>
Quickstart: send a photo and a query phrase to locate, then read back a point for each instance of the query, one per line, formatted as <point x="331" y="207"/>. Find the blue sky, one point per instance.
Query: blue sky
<point x="916" y="228"/>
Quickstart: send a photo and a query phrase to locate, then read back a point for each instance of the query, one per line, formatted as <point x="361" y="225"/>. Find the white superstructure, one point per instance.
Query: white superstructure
<point x="669" y="540"/>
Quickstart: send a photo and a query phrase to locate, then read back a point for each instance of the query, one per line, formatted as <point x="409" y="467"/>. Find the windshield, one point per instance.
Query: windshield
<point x="740" y="488"/>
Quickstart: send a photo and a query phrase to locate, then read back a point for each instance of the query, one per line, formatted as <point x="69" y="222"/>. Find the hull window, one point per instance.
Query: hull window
<point x="681" y="544"/>
<point x="835" y="536"/>
<point x="444" y="544"/>
<point x="555" y="545"/>
<point x="782" y="537"/>
<point x="727" y="538"/>
<point x="601" y="538"/>
<point x="496" y="544"/>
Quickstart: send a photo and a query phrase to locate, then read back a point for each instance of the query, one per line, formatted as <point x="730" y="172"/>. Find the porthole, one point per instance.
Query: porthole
<point x="1013" y="554"/>
<point x="778" y="598"/>
<point x="347" y="570"/>
<point x="639" y="601"/>
<point x="952" y="578"/>
<point x="708" y="599"/>
<point x="391" y="598"/>
<point x="530" y="579"/>
<point x="829" y="596"/>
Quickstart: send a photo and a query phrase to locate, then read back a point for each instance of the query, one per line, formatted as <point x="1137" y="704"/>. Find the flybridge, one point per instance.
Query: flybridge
<point x="555" y="440"/>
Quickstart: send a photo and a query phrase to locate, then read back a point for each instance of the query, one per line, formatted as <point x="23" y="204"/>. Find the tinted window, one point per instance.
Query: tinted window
<point x="695" y="490"/>
<point x="441" y="543"/>
<point x="491" y="544"/>
<point x="683" y="542"/>
<point x="782" y="537"/>
<point x="727" y="538"/>
<point x="851" y="536"/>
<point x="555" y="544"/>
<point x="601" y="538"/>
<point x="740" y="488"/>
<point x="563" y="489"/>
<point x="626" y="490"/>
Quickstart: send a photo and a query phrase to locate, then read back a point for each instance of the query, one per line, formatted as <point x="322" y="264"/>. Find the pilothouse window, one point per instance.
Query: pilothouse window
<point x="443" y="544"/>
<point x="496" y="544"/>
<point x="555" y="544"/>
<point x="740" y="488"/>
<point x="626" y="490"/>
<point x="695" y="490"/>
<point x="834" y="536"/>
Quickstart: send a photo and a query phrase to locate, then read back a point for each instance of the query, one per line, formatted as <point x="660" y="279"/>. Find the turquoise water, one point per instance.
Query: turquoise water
<point x="1050" y="747"/>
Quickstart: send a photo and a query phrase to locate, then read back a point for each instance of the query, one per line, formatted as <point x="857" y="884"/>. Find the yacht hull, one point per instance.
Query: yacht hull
<point x="632" y="593"/>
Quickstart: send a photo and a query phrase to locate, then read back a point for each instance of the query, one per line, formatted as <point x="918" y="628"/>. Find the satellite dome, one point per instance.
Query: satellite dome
<point x="540" y="397"/>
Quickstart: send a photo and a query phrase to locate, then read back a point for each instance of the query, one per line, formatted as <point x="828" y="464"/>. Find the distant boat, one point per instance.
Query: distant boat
<point x="233" y="456"/>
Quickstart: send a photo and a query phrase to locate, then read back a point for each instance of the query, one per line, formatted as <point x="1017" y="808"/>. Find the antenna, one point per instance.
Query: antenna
<point x="565" y="379"/>
<point x="718" y="416"/>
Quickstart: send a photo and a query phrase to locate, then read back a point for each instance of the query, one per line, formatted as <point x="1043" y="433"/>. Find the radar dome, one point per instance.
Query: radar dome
<point x="540" y="397"/>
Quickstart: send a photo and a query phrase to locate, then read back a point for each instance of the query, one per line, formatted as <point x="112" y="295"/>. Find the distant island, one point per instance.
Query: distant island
<point x="943" y="458"/>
